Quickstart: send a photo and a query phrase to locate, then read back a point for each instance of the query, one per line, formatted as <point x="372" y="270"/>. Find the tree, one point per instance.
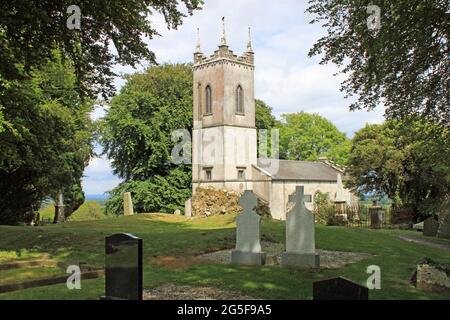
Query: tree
<point x="408" y="161"/>
<point x="136" y="134"/>
<point x="157" y="194"/>
<point x="401" y="62"/>
<point x="47" y="143"/>
<point x="31" y="30"/>
<point x="305" y="136"/>
<point x="375" y="164"/>
<point x="263" y="116"/>
<point x="265" y="121"/>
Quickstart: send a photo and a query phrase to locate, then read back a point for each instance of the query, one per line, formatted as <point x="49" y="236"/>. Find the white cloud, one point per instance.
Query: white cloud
<point x="98" y="177"/>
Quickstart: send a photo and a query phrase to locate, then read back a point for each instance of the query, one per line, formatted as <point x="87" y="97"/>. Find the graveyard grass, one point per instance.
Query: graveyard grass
<point x="168" y="236"/>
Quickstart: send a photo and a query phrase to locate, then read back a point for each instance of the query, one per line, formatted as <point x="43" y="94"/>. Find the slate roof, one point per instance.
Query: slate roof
<point x="300" y="170"/>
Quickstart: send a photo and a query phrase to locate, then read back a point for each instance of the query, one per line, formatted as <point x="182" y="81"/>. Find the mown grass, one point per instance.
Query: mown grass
<point x="88" y="211"/>
<point x="167" y="235"/>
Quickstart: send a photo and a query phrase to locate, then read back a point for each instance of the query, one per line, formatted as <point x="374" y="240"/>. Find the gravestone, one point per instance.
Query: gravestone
<point x="430" y="227"/>
<point x="123" y="267"/>
<point x="188" y="208"/>
<point x="59" y="210"/>
<point x="339" y="289"/>
<point x="340" y="190"/>
<point x="248" y="245"/>
<point x="300" y="235"/>
<point x="376" y="217"/>
<point x="127" y="204"/>
<point x="444" y="223"/>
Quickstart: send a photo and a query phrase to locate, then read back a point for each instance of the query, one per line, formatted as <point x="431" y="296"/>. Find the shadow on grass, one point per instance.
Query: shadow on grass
<point x="79" y="242"/>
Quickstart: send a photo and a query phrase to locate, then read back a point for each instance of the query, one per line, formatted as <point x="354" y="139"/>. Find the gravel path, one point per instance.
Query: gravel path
<point x="426" y="242"/>
<point x="328" y="259"/>
<point x="174" y="292"/>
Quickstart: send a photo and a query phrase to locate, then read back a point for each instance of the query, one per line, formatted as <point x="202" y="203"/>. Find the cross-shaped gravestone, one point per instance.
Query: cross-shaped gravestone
<point x="300" y="236"/>
<point x="293" y="197"/>
<point x="248" y="245"/>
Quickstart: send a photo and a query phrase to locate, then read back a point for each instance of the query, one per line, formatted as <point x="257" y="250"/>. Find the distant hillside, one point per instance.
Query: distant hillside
<point x="97" y="197"/>
<point x="90" y="210"/>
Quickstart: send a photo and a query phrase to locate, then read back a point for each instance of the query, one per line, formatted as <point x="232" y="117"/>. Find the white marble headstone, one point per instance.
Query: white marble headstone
<point x="340" y="190"/>
<point x="300" y="237"/>
<point x="248" y="225"/>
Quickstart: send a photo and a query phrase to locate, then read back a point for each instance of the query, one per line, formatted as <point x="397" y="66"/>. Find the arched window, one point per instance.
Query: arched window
<point x="239" y="100"/>
<point x="199" y="97"/>
<point x="208" y="94"/>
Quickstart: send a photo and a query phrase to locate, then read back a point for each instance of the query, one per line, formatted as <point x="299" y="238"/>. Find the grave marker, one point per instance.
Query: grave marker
<point x="339" y="289"/>
<point x="123" y="267"/>
<point x="430" y="227"/>
<point x="127" y="204"/>
<point x="300" y="235"/>
<point x="248" y="245"/>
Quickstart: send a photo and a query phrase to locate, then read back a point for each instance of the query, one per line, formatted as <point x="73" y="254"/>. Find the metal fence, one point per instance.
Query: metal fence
<point x="355" y="215"/>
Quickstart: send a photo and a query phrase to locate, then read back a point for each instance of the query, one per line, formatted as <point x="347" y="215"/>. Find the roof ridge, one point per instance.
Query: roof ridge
<point x="305" y="161"/>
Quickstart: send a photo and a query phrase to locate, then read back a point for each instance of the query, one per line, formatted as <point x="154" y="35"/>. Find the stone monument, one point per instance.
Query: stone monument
<point x="248" y="245"/>
<point x="430" y="227"/>
<point x="59" y="209"/>
<point x="127" y="204"/>
<point x="444" y="223"/>
<point x="300" y="235"/>
<point x="123" y="267"/>
<point x="339" y="201"/>
<point x="376" y="217"/>
<point x="188" y="208"/>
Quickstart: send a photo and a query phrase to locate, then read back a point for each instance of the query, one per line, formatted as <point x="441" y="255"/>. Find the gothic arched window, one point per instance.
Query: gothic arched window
<point x="208" y="94"/>
<point x="199" y="97"/>
<point x="239" y="100"/>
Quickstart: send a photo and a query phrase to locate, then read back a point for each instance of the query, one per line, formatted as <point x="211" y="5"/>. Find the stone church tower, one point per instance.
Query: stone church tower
<point x="224" y="142"/>
<point x="224" y="134"/>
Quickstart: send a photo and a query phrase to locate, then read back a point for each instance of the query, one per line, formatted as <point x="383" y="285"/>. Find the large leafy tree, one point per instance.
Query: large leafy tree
<point x="31" y="29"/>
<point x="111" y="32"/>
<point x="263" y="116"/>
<point x="265" y="120"/>
<point x="407" y="161"/>
<point x="402" y="63"/>
<point x="306" y="136"/>
<point x="47" y="143"/>
<point x="33" y="124"/>
<point x="136" y="135"/>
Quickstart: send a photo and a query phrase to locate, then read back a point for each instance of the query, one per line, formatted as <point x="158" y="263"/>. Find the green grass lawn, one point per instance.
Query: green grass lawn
<point x="167" y="235"/>
<point x="89" y="210"/>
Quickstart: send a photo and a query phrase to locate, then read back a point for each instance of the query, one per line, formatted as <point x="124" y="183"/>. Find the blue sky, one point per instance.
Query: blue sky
<point x="285" y="77"/>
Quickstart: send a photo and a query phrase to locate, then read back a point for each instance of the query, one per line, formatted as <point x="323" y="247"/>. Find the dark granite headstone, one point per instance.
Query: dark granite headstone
<point x="123" y="267"/>
<point x="339" y="289"/>
<point x="444" y="223"/>
<point x="430" y="227"/>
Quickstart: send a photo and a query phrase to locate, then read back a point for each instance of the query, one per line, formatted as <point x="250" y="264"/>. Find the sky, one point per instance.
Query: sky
<point x="285" y="77"/>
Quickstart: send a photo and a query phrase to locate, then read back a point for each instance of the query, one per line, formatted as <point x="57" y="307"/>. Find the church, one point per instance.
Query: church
<point x="225" y="141"/>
